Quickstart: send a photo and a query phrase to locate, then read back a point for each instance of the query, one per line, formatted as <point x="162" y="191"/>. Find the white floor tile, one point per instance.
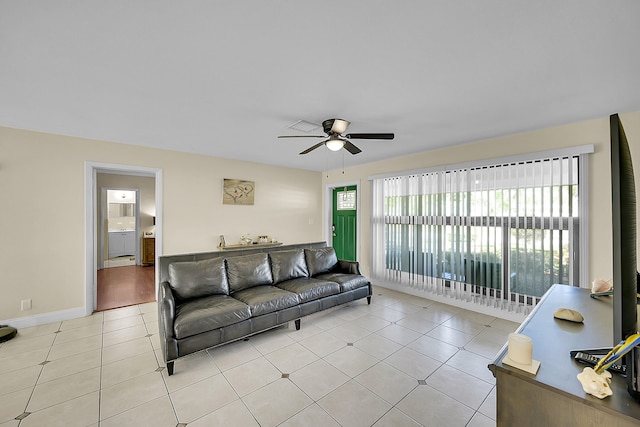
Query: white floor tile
<point x="199" y="399"/>
<point x="480" y="420"/>
<point x="291" y="358"/>
<point x="377" y="346"/>
<point x="14" y="404"/>
<point x="472" y="364"/>
<point x="412" y="363"/>
<point x="63" y="389"/>
<point x="323" y="343"/>
<point x="387" y="382"/>
<point x="340" y="405"/>
<point x="312" y="415"/>
<point x="251" y="376"/>
<point x="85" y="331"/>
<point x="276" y="402"/>
<point x="351" y="361"/>
<point x="78" y="412"/>
<point x="73" y="348"/>
<point x="231" y="355"/>
<point x="318" y="379"/>
<point x="434" y="348"/>
<point x="128" y="394"/>
<point x="433" y="408"/>
<point x="156" y="413"/>
<point x="450" y="336"/>
<point x="30" y="358"/>
<point x="129" y="368"/>
<point x="461" y="386"/>
<point x="399" y="334"/>
<point x="234" y="414"/>
<point x="70" y="365"/>
<point x="395" y="418"/>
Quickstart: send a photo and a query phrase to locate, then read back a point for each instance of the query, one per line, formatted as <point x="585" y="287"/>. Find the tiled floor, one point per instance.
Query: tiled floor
<point x="401" y="361"/>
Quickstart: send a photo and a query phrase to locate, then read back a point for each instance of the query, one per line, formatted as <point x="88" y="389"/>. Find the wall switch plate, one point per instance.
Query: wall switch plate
<point x="25" y="304"/>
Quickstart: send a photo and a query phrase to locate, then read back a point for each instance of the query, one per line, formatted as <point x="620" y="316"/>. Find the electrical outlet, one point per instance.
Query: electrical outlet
<point x="25" y="304"/>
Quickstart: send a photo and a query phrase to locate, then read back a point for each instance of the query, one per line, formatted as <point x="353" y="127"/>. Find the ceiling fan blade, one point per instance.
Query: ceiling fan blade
<point x="370" y="136"/>
<point x="351" y="148"/>
<point x="310" y="149"/>
<point x="302" y="136"/>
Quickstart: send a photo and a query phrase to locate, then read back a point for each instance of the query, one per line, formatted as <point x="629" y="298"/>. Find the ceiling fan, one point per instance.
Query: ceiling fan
<point x="334" y="128"/>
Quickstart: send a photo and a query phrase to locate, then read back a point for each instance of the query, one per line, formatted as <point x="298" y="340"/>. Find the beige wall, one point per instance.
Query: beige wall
<point x="589" y="132"/>
<point x="42" y="215"/>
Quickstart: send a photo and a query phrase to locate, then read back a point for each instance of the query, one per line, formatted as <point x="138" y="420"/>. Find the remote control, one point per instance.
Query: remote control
<point x="593" y="359"/>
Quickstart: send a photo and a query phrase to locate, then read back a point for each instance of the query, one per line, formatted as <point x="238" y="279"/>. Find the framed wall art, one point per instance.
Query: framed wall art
<point x="238" y="192"/>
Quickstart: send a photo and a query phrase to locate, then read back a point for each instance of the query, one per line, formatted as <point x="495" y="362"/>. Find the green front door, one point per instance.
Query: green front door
<point x="344" y="222"/>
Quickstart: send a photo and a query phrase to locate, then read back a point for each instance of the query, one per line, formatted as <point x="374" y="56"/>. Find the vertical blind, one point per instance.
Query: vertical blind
<point x="498" y="234"/>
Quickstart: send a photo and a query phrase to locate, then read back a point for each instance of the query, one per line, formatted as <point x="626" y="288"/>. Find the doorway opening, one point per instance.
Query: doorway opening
<point x="122" y="214"/>
<point x="146" y="224"/>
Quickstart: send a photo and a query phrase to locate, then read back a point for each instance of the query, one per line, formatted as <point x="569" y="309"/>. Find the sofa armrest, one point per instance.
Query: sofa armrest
<point x="166" y="310"/>
<point x="350" y="267"/>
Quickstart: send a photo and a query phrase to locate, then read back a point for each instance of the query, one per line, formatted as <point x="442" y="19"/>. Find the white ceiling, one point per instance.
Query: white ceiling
<point x="225" y="78"/>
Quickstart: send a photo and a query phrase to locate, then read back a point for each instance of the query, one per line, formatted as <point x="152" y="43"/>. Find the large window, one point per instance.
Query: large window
<point x="505" y="231"/>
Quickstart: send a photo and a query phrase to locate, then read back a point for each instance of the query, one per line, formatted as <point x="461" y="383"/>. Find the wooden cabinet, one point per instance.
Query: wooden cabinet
<point x="148" y="250"/>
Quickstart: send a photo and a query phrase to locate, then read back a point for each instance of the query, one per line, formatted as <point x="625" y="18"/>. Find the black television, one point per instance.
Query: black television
<point x="625" y="268"/>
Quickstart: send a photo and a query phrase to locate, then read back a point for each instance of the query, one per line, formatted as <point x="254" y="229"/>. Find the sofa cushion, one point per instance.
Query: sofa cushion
<point x="346" y="281"/>
<point x="266" y="299"/>
<point x="309" y="289"/>
<point x="208" y="313"/>
<point x="192" y="279"/>
<point x="320" y="260"/>
<point x="247" y="271"/>
<point x="287" y="265"/>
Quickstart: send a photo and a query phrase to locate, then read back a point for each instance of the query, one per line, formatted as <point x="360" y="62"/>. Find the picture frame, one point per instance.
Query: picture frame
<point x="238" y="192"/>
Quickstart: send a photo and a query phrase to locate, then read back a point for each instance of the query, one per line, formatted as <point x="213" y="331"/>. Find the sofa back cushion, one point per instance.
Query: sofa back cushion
<point x="247" y="271"/>
<point x="192" y="279"/>
<point x="286" y="265"/>
<point x="320" y="260"/>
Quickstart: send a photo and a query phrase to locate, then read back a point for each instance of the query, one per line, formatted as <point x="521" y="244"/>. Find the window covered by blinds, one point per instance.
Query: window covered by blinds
<point x="500" y="234"/>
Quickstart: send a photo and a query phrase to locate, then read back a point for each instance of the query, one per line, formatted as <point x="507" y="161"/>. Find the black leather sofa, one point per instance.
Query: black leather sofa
<point x="217" y="299"/>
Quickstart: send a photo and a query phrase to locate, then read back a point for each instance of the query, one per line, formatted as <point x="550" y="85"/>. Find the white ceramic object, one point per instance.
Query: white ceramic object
<point x="595" y="384"/>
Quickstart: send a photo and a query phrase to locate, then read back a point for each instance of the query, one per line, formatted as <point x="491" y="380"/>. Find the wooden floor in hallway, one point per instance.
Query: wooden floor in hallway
<point x="124" y="286"/>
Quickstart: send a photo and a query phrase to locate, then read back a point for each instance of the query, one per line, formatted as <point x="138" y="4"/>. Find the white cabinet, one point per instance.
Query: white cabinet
<point x="122" y="243"/>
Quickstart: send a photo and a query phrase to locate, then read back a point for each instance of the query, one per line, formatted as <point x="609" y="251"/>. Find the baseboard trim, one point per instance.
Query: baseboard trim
<point x="44" y="318"/>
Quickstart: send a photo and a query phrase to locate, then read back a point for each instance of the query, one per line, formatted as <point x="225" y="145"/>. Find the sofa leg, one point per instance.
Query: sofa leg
<point x="298" y="325"/>
<point x="369" y="300"/>
<point x="170" y="368"/>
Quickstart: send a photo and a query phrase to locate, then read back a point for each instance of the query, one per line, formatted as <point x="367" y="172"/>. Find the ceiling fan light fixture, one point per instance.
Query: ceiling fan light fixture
<point x="334" y="143"/>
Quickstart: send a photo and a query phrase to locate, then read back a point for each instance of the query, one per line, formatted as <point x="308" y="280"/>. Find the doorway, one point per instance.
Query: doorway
<point x="344" y="222"/>
<point x="120" y="209"/>
<point x="342" y="216"/>
<point x="95" y="230"/>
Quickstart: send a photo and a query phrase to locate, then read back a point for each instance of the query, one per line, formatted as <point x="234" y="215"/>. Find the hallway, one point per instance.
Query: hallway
<point x="124" y="286"/>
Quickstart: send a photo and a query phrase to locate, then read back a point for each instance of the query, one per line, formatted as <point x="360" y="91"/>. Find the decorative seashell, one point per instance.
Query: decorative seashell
<point x="595" y="384"/>
<point x="568" y="314"/>
<point x="600" y="285"/>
